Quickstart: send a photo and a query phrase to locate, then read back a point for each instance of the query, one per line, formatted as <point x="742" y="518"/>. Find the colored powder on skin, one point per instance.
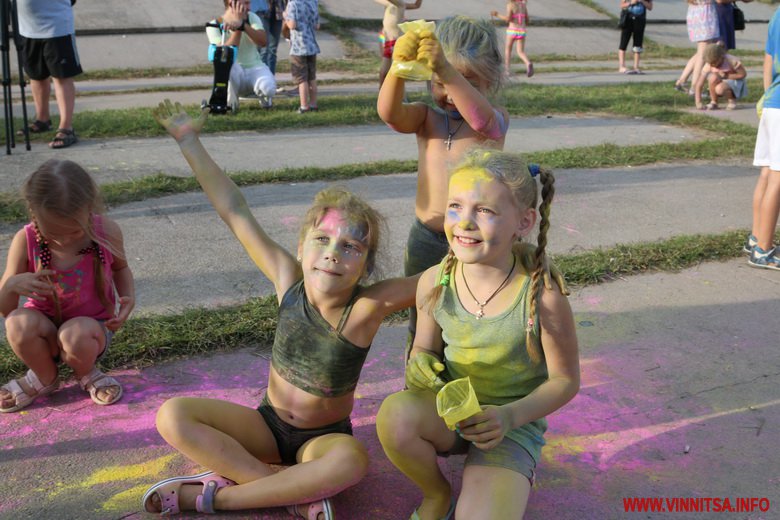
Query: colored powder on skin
<point x="334" y="222"/>
<point x="469" y="179"/>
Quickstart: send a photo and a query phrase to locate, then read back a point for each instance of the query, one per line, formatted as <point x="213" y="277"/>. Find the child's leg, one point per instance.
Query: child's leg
<point x="521" y="52"/>
<point x="714" y="81"/>
<point x="687" y="70"/>
<point x="303" y="94"/>
<point x="510" y="40"/>
<point x="768" y="210"/>
<point x="82" y="340"/>
<point x="33" y="338"/>
<point x="758" y="198"/>
<point x="492" y="493"/>
<point x="312" y="75"/>
<point x="234" y="441"/>
<point x="411" y="432"/>
<point x="698" y="61"/>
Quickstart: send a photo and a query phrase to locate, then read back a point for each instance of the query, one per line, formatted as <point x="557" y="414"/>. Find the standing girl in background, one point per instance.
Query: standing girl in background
<point x="702" y="24"/>
<point x="634" y="28"/>
<point x="67" y="262"/>
<point x="492" y="303"/>
<point x="327" y="322"/>
<point x="466" y="64"/>
<point x="517" y="18"/>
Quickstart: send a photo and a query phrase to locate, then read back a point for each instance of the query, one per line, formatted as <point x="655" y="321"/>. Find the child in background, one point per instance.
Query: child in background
<point x="517" y="18"/>
<point x="248" y="75"/>
<point x="634" y="28"/>
<point x="327" y="322"/>
<point x="67" y="262"/>
<point x="726" y="77"/>
<point x="766" y="197"/>
<point x="302" y="19"/>
<point x="394" y="14"/>
<point x="466" y="64"/>
<point x="488" y="311"/>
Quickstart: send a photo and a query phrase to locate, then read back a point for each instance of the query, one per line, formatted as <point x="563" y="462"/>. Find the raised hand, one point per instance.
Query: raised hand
<point x="177" y="122"/>
<point x="429" y="51"/>
<point x="406" y="47"/>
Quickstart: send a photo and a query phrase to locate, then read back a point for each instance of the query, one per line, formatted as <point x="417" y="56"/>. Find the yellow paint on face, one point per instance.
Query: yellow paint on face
<point x="468" y="179"/>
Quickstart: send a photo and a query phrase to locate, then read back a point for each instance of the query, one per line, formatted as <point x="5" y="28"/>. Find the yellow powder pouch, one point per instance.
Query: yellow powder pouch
<point x="415" y="70"/>
<point x="457" y="401"/>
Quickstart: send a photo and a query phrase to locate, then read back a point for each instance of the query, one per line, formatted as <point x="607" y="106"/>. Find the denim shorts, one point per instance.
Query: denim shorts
<point x="289" y="438"/>
<point x="508" y="455"/>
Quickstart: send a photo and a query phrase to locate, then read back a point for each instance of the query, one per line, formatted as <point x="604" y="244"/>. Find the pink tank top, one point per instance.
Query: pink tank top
<point x="75" y="287"/>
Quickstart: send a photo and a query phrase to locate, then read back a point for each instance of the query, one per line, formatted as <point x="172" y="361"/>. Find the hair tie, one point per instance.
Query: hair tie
<point x="534" y="169"/>
<point x="445" y="280"/>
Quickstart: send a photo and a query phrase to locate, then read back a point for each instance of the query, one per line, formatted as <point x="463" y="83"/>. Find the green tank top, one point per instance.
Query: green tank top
<point x="492" y="353"/>
<point x="309" y="353"/>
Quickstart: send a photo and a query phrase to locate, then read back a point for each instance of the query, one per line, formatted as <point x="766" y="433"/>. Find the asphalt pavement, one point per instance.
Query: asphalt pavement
<point x="680" y="372"/>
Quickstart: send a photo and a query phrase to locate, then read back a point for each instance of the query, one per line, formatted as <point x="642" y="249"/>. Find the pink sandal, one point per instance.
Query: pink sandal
<point x="168" y="492"/>
<point x="312" y="510"/>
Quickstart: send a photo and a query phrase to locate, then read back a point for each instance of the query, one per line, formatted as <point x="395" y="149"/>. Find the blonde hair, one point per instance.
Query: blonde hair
<point x="473" y="45"/>
<point x="355" y="210"/>
<point x="514" y="173"/>
<point x="714" y="53"/>
<point x="62" y="189"/>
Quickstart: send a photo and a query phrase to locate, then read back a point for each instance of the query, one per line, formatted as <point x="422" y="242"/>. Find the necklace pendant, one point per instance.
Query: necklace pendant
<point x="449" y="141"/>
<point x="480" y="313"/>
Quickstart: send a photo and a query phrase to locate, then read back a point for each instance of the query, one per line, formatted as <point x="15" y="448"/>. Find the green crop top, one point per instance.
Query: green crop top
<point x="309" y="353"/>
<point x="492" y="352"/>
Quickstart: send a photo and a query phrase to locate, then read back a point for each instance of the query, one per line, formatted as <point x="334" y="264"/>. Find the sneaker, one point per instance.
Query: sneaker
<point x="302" y="110"/>
<point x="750" y="243"/>
<point x="266" y="102"/>
<point x="680" y="87"/>
<point x="764" y="259"/>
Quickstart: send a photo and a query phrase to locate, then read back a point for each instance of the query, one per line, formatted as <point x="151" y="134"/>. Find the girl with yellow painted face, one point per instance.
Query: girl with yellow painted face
<point x="493" y="311"/>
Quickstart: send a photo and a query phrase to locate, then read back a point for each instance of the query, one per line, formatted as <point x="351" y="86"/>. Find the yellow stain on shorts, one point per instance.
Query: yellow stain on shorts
<point x="468" y="179"/>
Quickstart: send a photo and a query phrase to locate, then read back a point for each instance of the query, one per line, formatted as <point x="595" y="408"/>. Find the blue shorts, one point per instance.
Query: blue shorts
<point x="508" y="455"/>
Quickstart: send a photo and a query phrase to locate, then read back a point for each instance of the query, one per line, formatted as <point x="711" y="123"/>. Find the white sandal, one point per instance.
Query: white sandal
<point x="23" y="398"/>
<point x="97" y="380"/>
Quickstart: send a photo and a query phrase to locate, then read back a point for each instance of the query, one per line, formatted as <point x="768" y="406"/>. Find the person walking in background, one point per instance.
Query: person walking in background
<point x="272" y="18"/>
<point x="633" y="28"/>
<point x="303" y="19"/>
<point x="766" y="197"/>
<point x="517" y="18"/>
<point x="702" y="23"/>
<point x="394" y="14"/>
<point x="50" y="55"/>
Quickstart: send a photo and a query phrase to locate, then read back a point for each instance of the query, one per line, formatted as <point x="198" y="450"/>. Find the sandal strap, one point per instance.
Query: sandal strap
<point x="204" y="503"/>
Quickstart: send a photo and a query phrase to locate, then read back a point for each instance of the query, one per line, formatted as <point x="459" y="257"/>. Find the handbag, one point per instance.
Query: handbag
<point x="624" y="18"/>
<point x="739" y="19"/>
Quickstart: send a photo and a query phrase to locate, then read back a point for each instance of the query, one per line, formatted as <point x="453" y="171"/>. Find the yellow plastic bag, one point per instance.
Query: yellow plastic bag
<point x="457" y="401"/>
<point x="413" y="70"/>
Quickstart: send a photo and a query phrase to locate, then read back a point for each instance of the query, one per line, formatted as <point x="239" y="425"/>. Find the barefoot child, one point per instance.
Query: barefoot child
<point x="67" y="262"/>
<point x="517" y="18"/>
<point x="394" y="14"/>
<point x="327" y="322"/>
<point x="466" y="64"/>
<point x="505" y="326"/>
<point x="726" y="77"/>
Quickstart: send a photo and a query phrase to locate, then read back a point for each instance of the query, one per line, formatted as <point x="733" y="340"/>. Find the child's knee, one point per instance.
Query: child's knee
<point x="397" y="420"/>
<point x="171" y="417"/>
<point x="23" y="325"/>
<point x="351" y="459"/>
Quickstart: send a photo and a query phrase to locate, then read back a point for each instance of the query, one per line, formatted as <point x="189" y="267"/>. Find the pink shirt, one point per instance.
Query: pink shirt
<point x="75" y="287"/>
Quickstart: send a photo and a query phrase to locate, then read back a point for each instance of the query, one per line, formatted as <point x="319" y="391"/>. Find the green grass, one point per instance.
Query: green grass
<point x="144" y="341"/>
